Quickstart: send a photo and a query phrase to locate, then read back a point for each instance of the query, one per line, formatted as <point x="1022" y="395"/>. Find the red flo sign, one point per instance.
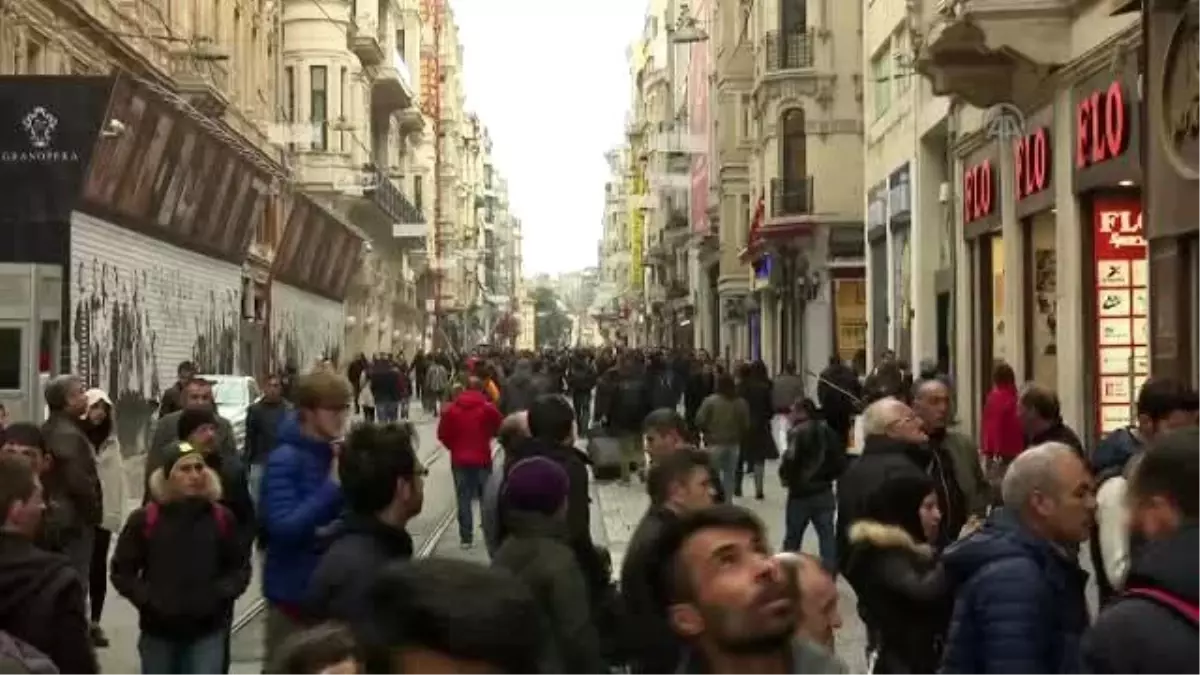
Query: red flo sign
<point x="1032" y="159"/>
<point x="1122" y="307"/>
<point x="1119" y="234"/>
<point x="979" y="191"/>
<point x="1102" y="126"/>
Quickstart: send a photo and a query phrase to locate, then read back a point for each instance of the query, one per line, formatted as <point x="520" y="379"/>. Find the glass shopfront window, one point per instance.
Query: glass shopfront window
<point x="1042" y="303"/>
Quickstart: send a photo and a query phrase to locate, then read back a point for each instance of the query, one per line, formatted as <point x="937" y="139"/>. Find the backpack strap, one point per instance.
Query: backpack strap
<point x="151" y="519"/>
<point x="1169" y="600"/>
<point x="152" y="513"/>
<point x="222" y="518"/>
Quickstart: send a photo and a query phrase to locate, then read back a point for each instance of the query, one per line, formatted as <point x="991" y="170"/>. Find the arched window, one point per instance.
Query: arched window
<point x="793" y="148"/>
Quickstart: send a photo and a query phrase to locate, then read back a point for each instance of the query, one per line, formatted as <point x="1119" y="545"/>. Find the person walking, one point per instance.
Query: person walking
<point x="466" y="429"/>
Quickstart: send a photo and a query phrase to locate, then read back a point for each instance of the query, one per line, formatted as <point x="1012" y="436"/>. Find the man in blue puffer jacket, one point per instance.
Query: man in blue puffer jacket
<point x="301" y="498"/>
<point x="1020" y="604"/>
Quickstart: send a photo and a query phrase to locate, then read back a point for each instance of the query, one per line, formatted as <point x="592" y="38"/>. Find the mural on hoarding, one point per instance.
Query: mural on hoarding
<point x="305" y="329"/>
<point x="698" y="90"/>
<point x="130" y="328"/>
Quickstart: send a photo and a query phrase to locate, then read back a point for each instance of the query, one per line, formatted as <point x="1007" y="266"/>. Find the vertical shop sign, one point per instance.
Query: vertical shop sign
<point x="979" y="188"/>
<point x="1122" y="309"/>
<point x="698" y="122"/>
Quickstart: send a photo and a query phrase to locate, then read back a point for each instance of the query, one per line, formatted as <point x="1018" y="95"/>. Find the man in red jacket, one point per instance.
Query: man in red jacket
<point x="467" y="427"/>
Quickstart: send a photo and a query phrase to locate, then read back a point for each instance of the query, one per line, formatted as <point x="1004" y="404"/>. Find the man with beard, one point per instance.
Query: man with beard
<point x="965" y="497"/>
<point x="728" y="599"/>
<point x="679" y="483"/>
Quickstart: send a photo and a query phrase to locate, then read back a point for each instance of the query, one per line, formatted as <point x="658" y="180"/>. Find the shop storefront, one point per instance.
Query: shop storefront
<point x="982" y="231"/>
<point x="877" y="271"/>
<point x="1107" y="176"/>
<point x="1172" y="170"/>
<point x="1033" y="182"/>
<point x="899" y="213"/>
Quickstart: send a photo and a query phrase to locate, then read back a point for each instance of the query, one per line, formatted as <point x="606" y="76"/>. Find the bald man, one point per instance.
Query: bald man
<point x="819" y="616"/>
<point x="514" y="430"/>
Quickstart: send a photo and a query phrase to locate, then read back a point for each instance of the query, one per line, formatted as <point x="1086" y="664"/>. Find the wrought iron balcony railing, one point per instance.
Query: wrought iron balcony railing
<point x="789" y="51"/>
<point x="791" y="197"/>
<point x="392" y="201"/>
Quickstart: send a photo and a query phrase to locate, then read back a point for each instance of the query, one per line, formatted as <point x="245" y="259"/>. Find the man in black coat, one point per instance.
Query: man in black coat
<point x="384" y="487"/>
<point x="1151" y="627"/>
<point x="679" y="483"/>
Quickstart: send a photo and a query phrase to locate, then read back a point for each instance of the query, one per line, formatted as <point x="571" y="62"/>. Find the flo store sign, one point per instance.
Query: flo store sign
<point x="1122" y="308"/>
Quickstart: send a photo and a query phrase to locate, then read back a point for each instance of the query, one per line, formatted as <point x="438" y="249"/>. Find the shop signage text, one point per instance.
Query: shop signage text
<point x="1119" y="231"/>
<point x="1031" y="153"/>
<point x="1101" y="126"/>
<point x="1122" y="301"/>
<point x="979" y="189"/>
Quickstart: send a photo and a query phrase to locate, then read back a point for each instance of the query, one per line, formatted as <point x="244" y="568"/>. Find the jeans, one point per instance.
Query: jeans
<point x="387" y="411"/>
<point x="254" y="477"/>
<point x="204" y="654"/>
<point x="759" y="469"/>
<point x="468" y="488"/>
<point x="725" y="459"/>
<point x="820" y="509"/>
<point x="79" y="549"/>
<point x="582" y="402"/>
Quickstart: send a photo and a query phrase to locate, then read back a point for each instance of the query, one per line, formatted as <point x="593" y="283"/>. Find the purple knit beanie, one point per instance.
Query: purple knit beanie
<point x="536" y="484"/>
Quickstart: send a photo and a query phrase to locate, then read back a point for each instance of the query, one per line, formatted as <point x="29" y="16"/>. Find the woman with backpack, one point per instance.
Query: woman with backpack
<point x="181" y="563"/>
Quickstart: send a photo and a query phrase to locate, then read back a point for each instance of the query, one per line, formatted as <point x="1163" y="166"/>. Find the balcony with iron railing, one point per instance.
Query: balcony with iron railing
<point x="788" y="51"/>
<point x="791" y="197"/>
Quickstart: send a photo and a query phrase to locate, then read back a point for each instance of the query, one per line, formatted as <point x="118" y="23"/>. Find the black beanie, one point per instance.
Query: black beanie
<point x="192" y="419"/>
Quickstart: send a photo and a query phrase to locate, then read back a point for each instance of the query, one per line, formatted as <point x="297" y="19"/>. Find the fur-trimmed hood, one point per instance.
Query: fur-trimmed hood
<point x="882" y="535"/>
<point x="160" y="493"/>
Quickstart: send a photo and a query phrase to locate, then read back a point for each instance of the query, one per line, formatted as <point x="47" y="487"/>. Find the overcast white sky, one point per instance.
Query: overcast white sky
<point x="550" y="80"/>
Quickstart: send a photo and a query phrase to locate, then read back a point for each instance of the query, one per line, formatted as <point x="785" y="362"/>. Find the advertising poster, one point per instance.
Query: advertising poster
<point x="1122" y="310"/>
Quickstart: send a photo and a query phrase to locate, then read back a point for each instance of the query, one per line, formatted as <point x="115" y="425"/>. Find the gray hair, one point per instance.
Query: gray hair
<point x="879" y="416"/>
<point x="1033" y="471"/>
<point x="57" y="389"/>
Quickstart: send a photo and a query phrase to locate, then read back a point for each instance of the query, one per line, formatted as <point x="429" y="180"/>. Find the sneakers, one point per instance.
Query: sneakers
<point x="467" y="545"/>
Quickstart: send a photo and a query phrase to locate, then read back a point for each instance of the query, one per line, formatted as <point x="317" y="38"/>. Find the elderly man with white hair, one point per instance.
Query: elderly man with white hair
<point x="893" y="445"/>
<point x="1020" y="607"/>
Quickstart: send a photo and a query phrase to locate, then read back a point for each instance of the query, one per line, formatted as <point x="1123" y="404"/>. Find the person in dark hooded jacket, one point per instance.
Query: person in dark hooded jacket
<point x="180" y="562"/>
<point x="537" y="550"/>
<point x="901" y="590"/>
<point x="519" y="389"/>
<point x="1151" y="627"/>
<point x="384" y="490"/>
<point x="42" y="600"/>
<point x="551" y="427"/>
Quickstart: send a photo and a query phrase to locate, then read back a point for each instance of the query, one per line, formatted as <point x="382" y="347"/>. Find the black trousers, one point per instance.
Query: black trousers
<point x="98" y="584"/>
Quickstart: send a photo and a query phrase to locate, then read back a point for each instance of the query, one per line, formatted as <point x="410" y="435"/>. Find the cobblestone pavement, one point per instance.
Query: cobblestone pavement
<point x="622" y="506"/>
